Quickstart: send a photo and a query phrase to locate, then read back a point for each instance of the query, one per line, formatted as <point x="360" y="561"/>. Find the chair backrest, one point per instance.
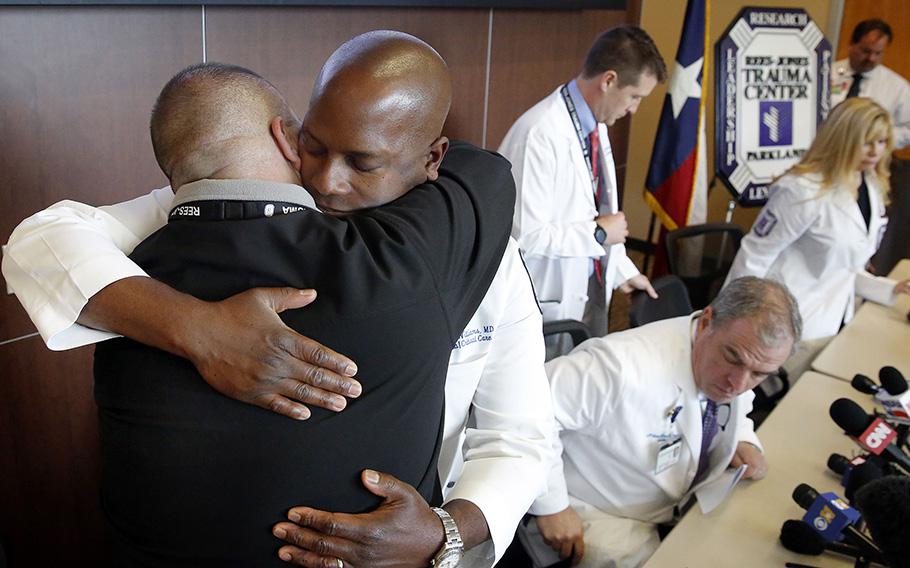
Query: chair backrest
<point x="701" y="255"/>
<point x="672" y="301"/>
<point x="578" y="331"/>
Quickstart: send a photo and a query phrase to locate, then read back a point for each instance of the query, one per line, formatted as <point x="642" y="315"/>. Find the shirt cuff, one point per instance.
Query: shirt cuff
<point x="56" y="319"/>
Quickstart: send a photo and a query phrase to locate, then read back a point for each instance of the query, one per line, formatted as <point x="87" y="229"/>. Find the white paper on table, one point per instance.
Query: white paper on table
<point x="879" y="289"/>
<point x="713" y="494"/>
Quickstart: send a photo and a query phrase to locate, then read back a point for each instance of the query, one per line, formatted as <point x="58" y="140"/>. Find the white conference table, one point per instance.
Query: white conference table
<point x="744" y="531"/>
<point x="876" y="336"/>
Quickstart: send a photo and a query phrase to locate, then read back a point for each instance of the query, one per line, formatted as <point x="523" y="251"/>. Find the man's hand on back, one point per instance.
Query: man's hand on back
<point x="239" y="345"/>
<point x="401" y="532"/>
<point x="244" y="351"/>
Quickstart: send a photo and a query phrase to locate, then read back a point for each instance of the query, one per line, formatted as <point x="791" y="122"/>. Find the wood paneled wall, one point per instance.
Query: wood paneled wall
<point x="76" y="88"/>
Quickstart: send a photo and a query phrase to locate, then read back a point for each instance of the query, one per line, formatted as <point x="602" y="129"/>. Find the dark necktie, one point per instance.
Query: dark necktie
<point x="594" y="157"/>
<point x="708" y="431"/>
<point x="854" y="86"/>
<point x="862" y="199"/>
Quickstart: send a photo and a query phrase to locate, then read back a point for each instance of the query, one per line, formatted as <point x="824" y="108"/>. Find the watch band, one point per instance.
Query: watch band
<point x="453" y="547"/>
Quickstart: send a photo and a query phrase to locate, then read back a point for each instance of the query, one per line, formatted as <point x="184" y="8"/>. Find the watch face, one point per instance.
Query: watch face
<point x="449" y="558"/>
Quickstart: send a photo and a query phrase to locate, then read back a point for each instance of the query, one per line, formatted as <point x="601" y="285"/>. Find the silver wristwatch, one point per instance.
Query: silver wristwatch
<point x="452" y="549"/>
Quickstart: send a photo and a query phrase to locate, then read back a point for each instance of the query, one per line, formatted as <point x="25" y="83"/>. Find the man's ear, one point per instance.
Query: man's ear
<point x="434" y="157"/>
<point x="705" y="319"/>
<point x="609" y="78"/>
<point x="286" y="140"/>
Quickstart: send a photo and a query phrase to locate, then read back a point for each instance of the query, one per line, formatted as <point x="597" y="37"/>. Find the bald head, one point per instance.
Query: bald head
<point x="373" y="129"/>
<point x="392" y="73"/>
<point x="212" y="120"/>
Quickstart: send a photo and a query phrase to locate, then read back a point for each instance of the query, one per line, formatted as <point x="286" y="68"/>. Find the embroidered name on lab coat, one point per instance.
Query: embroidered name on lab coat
<point x="475" y="335"/>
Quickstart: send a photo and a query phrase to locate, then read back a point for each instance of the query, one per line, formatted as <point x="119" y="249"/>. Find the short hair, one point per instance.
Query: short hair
<point x="206" y="104"/>
<point x="767" y="303"/>
<point x="629" y="51"/>
<point x="871" y="25"/>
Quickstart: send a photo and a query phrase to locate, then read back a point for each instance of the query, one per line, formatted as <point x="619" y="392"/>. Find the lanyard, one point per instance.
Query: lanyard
<point x="573" y="114"/>
<point x="231" y="210"/>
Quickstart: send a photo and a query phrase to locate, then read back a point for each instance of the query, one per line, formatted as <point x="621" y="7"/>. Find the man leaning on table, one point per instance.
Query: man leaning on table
<point x="654" y="414"/>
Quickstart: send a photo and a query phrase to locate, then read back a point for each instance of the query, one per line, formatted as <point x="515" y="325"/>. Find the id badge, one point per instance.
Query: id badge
<point x="668" y="455"/>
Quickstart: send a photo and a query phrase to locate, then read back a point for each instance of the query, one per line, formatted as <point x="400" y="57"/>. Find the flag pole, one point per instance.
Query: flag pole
<point x="651" y="245"/>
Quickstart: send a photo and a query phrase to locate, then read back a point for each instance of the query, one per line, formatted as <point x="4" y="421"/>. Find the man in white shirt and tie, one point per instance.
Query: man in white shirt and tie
<point x="652" y="415"/>
<point x="861" y="74"/>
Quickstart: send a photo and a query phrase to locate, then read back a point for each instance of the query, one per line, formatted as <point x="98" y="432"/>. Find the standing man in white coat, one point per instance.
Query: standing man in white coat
<point x="861" y="74"/>
<point x="567" y="219"/>
<point x="651" y="415"/>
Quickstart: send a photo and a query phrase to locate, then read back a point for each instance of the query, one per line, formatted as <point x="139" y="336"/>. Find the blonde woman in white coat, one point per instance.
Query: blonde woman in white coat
<point x="824" y="220"/>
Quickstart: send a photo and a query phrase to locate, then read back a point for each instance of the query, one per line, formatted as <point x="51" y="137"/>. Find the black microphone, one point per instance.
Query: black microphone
<point x="871" y="433"/>
<point x="897" y="403"/>
<point x="799" y="537"/>
<point x="864" y="384"/>
<point x="805" y="496"/>
<point x="892" y="381"/>
<point x="885" y="504"/>
<point x="839" y="464"/>
<point x="861" y="475"/>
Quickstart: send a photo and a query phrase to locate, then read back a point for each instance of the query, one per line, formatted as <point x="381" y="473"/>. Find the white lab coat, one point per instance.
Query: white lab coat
<point x="613" y="398"/>
<point x="554" y="209"/>
<point x="496" y="446"/>
<point x="883" y="86"/>
<point x="818" y="245"/>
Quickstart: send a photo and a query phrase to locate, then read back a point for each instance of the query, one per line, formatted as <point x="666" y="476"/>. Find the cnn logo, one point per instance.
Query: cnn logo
<point x="877" y="436"/>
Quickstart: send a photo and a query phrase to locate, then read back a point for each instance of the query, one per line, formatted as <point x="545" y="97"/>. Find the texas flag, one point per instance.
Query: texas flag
<point x="676" y="186"/>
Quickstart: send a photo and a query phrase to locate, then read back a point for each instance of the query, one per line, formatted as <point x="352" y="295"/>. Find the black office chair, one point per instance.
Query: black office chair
<point x="577" y="331"/>
<point x="767" y="396"/>
<point x="672" y="301"/>
<point x="701" y="255"/>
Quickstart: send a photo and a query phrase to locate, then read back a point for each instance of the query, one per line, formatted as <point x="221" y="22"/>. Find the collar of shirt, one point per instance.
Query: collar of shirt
<point x="242" y="190"/>
<point x="693" y="331"/>
<point x="585" y="115"/>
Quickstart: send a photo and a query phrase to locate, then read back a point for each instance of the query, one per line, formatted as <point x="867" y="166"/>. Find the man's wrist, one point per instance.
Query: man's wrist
<point x="470" y="520"/>
<point x="451" y="551"/>
<point x="183" y="334"/>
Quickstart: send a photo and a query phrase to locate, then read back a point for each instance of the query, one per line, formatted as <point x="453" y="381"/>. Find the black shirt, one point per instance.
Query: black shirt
<point x="193" y="478"/>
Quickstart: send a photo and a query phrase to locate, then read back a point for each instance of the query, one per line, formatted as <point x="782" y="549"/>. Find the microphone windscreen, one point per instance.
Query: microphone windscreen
<point x="861" y="475"/>
<point x="799" y="537"/>
<point x="864" y="384"/>
<point x="838" y="464"/>
<point x="892" y="381"/>
<point x="849" y="416"/>
<point x="885" y="505"/>
<point x="804" y="495"/>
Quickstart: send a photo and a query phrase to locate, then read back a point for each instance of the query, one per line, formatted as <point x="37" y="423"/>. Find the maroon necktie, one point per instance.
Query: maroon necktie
<point x="594" y="145"/>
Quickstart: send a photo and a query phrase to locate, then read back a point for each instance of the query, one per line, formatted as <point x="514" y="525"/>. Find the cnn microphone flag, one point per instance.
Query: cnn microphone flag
<point x="677" y="182"/>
